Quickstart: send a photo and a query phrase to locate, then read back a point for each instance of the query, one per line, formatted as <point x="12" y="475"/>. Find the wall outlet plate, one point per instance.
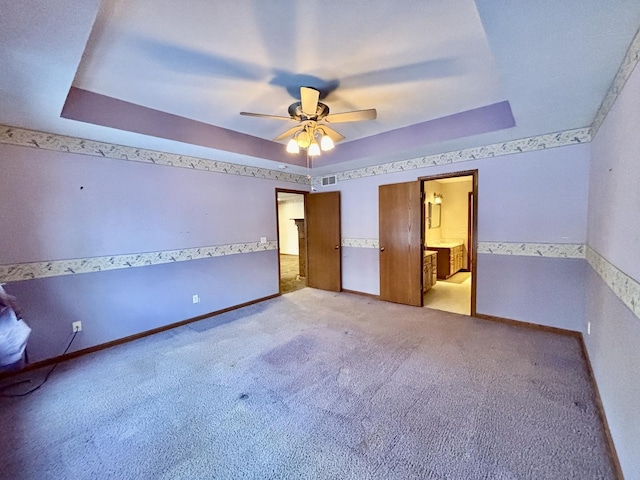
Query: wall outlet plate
<point x="76" y="326"/>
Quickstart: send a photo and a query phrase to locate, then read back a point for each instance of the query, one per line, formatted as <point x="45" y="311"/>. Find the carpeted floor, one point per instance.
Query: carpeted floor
<point x="315" y="384"/>
<point x="290" y="280"/>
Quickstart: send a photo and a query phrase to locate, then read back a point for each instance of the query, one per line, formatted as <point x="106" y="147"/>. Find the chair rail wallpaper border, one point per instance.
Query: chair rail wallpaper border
<point x="60" y="143"/>
<point x="547" y="250"/>
<point x="626" y="288"/>
<point x="360" y="242"/>
<point x="28" y="271"/>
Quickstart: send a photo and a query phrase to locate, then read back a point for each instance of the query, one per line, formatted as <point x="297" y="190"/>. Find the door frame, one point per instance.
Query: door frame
<point x="474" y="227"/>
<point x="304" y="200"/>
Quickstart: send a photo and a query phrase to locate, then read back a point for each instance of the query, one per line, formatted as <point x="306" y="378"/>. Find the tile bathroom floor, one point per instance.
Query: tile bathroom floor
<point x="451" y="295"/>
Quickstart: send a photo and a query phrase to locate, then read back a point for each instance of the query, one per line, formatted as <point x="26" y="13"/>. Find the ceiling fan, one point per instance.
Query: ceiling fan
<point x="310" y="133"/>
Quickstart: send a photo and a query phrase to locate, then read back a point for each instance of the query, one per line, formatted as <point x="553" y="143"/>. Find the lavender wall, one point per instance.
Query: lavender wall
<point x="614" y="233"/>
<point x="117" y="303"/>
<point x="544" y="291"/>
<point x="71" y="206"/>
<point x="361" y="270"/>
<point x="60" y="206"/>
<point x="535" y="197"/>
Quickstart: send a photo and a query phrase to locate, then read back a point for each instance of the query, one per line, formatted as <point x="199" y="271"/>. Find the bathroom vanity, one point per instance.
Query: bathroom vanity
<point x="451" y="257"/>
<point x="429" y="269"/>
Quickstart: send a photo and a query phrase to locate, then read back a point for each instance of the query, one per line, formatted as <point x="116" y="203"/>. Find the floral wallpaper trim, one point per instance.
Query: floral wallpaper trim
<point x="623" y="286"/>
<point x="54" y="268"/>
<point x="629" y="63"/>
<point x="541" y="142"/>
<point x="549" y="250"/>
<point x="360" y="242"/>
<point x="59" y="143"/>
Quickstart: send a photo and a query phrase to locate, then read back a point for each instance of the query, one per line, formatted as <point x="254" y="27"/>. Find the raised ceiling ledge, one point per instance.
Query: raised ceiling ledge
<point x="90" y="107"/>
<point x="489" y="118"/>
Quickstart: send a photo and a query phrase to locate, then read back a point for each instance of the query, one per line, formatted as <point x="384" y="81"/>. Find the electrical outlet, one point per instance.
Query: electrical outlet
<point x="196" y="299"/>
<point x="76" y="326"/>
<point x="263" y="239"/>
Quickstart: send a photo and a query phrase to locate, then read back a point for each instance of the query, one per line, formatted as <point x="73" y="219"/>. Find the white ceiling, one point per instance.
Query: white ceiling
<point x="414" y="61"/>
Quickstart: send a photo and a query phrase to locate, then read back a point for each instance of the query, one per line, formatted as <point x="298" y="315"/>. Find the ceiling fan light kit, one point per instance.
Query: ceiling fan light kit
<point x="311" y="135"/>
<point x="326" y="143"/>
<point x="292" y="146"/>
<point x="314" y="149"/>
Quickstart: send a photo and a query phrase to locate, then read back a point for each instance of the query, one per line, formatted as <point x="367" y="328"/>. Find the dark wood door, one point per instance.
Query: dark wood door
<point x="400" y="224"/>
<point x="323" y="241"/>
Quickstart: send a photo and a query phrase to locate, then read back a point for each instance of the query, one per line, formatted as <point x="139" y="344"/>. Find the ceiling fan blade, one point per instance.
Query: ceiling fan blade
<point x="309" y="99"/>
<point x="288" y="133"/>
<point x="331" y="133"/>
<point x="262" y="115"/>
<point x="355" y="116"/>
<point x="438" y="68"/>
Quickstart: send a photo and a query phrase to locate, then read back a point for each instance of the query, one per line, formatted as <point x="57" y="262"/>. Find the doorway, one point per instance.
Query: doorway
<point x="292" y="255"/>
<point x="309" y="240"/>
<point x="449" y="232"/>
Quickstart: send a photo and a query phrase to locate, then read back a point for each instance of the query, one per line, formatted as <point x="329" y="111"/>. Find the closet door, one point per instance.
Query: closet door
<point x="400" y="233"/>
<point x="324" y="266"/>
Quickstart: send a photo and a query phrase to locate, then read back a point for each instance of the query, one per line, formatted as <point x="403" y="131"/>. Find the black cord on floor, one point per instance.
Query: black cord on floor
<point x="28" y="392"/>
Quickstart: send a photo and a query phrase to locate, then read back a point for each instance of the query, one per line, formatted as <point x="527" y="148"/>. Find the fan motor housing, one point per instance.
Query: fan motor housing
<point x="295" y="110"/>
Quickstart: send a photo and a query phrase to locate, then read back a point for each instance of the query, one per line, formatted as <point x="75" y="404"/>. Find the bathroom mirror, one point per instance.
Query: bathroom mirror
<point x="434" y="215"/>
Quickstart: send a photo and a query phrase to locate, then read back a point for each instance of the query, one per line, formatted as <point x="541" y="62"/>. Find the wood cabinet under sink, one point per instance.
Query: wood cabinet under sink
<point x="429" y="269"/>
<point x="451" y="258"/>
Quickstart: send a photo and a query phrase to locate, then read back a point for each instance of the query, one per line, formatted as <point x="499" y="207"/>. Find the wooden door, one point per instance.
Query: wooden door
<point x="400" y="224"/>
<point x="470" y="232"/>
<point x="323" y="241"/>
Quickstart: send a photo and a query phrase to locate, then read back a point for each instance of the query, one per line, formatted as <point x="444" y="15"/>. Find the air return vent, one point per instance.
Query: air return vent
<point x="328" y="180"/>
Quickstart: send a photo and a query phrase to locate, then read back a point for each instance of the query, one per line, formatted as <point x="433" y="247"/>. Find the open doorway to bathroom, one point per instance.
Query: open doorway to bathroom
<point x="450" y="223"/>
<point x="291" y="240"/>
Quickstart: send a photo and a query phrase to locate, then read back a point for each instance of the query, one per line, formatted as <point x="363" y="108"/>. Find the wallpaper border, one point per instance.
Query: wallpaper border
<point x="59" y="143"/>
<point x="360" y="242"/>
<point x="623" y="286"/>
<point x="530" y="144"/>
<point x="629" y="63"/>
<point x="547" y="250"/>
<point x="28" y="271"/>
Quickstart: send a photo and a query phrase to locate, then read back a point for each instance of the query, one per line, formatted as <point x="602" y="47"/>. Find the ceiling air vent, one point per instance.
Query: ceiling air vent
<point x="329" y="180"/>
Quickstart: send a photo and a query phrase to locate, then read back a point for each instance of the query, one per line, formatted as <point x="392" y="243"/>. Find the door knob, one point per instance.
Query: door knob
<point x="337" y="247"/>
<point x="382" y="249"/>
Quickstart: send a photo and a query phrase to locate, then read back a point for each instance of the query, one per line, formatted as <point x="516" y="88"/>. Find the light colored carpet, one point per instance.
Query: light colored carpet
<point x="315" y="384"/>
<point x="290" y="280"/>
